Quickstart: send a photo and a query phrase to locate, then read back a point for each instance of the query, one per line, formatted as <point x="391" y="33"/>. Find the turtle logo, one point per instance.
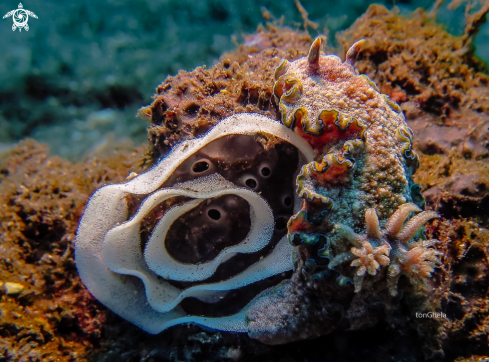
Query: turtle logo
<point x="20" y="16"/>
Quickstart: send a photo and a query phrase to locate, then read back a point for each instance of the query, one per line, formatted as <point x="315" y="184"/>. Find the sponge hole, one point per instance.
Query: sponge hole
<point x="281" y="223"/>
<point x="251" y="183"/>
<point x="214" y="214"/>
<point x="201" y="166"/>
<point x="287" y="200"/>
<point x="192" y="109"/>
<point x="265" y="171"/>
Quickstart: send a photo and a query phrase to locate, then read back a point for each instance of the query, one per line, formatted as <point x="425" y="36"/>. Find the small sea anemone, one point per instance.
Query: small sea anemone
<point x="369" y="259"/>
<point x="417" y="262"/>
<point x="390" y="247"/>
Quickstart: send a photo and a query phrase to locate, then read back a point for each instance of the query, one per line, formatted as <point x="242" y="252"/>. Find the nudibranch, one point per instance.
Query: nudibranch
<point x="211" y="216"/>
<point x="363" y="167"/>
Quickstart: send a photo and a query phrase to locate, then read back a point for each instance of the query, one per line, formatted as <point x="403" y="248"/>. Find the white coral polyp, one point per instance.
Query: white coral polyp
<point x="108" y="245"/>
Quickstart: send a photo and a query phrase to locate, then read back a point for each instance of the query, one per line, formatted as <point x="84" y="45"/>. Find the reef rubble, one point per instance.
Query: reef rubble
<point x="53" y="317"/>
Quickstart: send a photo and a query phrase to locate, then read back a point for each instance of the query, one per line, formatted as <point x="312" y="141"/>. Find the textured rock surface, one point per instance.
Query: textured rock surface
<point x="54" y="317"/>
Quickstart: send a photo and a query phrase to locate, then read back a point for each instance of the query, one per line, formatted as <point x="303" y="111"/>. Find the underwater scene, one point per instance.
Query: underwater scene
<point x="294" y="181"/>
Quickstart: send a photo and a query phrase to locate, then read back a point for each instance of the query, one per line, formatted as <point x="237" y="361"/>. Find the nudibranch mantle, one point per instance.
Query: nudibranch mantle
<point x="363" y="169"/>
